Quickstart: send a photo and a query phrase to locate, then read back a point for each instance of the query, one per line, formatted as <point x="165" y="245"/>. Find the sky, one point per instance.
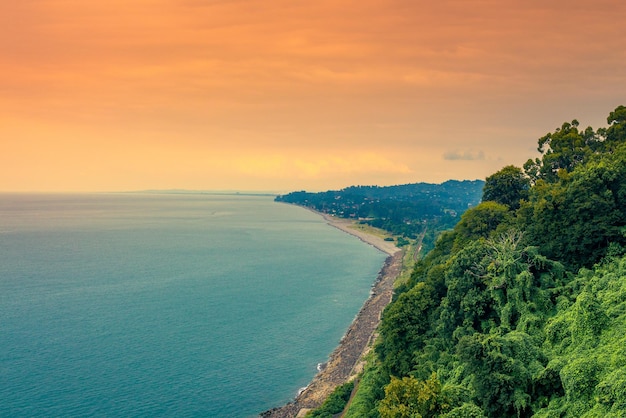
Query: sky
<point x="282" y="95"/>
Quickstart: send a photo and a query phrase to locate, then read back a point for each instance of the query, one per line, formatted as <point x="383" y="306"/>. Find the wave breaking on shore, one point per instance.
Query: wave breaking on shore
<point x="346" y="361"/>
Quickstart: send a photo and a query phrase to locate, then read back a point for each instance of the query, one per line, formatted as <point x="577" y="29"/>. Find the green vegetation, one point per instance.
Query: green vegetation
<point x="519" y="310"/>
<point x="335" y="403"/>
<point x="406" y="211"/>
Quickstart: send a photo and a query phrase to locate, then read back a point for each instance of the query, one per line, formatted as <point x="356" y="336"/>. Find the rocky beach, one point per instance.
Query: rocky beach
<point x="346" y="361"/>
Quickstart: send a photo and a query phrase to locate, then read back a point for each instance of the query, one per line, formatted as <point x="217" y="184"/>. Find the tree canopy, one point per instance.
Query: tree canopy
<point x="508" y="187"/>
<point x="520" y="308"/>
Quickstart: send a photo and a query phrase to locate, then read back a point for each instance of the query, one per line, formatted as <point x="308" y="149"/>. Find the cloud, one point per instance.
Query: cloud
<point x="466" y="155"/>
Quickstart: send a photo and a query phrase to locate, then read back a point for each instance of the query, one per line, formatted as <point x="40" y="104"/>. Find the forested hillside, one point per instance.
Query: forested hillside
<point x="405" y="210"/>
<point x="520" y="309"/>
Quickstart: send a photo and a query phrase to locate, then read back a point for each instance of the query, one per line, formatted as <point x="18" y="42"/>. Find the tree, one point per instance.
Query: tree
<point x="615" y="135"/>
<point x="568" y="147"/>
<point x="508" y="186"/>
<point x="467" y="306"/>
<point x="564" y="149"/>
<point x="479" y="222"/>
<point x="405" y="323"/>
<point x="411" y="398"/>
<point x="502" y="369"/>
<point x="576" y="219"/>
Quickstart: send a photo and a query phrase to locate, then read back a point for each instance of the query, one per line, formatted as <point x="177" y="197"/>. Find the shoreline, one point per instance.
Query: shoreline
<point x="345" y="225"/>
<point x="346" y="361"/>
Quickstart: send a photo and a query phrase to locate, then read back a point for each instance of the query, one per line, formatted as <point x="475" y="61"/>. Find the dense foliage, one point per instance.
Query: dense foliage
<point x="335" y="403"/>
<point x="520" y="309"/>
<point x="406" y="210"/>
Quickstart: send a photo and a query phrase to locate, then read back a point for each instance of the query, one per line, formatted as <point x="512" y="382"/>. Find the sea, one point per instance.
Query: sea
<point x="169" y="304"/>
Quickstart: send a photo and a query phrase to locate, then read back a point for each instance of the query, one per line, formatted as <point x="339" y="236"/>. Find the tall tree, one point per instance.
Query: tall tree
<point x="479" y="222"/>
<point x="616" y="132"/>
<point x="507" y="186"/>
<point x="562" y="150"/>
<point x="578" y="218"/>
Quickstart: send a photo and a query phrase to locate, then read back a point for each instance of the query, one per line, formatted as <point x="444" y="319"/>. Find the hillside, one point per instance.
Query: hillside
<point x="520" y="309"/>
<point x="406" y="210"/>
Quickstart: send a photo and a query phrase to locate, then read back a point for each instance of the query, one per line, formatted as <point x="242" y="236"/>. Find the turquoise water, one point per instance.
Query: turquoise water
<point x="169" y="305"/>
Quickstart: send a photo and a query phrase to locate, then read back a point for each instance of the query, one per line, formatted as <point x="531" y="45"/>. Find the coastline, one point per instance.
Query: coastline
<point x="346" y="225"/>
<point x="346" y="361"/>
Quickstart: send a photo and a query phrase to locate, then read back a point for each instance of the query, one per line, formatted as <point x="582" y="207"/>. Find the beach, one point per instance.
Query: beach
<point x="346" y="361"/>
<point x="349" y="226"/>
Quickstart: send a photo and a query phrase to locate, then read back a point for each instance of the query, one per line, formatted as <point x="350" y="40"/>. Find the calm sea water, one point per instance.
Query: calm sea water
<point x="169" y="305"/>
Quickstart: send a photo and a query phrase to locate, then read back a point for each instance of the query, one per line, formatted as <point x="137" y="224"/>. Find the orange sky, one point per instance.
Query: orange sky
<point x="284" y="95"/>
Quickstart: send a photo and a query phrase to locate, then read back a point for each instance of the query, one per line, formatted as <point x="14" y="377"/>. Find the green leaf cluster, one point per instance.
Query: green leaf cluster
<point x="520" y="309"/>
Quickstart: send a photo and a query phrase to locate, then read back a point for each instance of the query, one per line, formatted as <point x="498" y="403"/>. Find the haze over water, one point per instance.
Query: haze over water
<point x="169" y="305"/>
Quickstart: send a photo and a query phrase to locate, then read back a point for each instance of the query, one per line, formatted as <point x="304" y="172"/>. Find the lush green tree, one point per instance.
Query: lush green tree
<point x="576" y="219"/>
<point x="479" y="222"/>
<point x="434" y="259"/>
<point x="412" y="398"/>
<point x="616" y="132"/>
<point x="467" y="306"/>
<point x="568" y="147"/>
<point x="507" y="186"/>
<point x="403" y="330"/>
<point x="519" y="280"/>
<point x="502" y="368"/>
<point x="562" y="150"/>
<point x="587" y="343"/>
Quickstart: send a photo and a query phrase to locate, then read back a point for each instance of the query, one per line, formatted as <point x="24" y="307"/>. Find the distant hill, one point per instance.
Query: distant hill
<point x="402" y="210"/>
